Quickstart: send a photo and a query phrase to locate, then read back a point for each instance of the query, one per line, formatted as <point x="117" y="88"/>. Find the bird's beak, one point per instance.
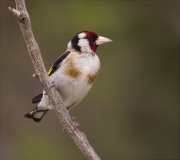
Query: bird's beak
<point x="102" y="40"/>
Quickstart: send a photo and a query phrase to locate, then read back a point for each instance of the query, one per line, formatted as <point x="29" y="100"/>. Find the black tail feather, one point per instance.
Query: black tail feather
<point x="37" y="98"/>
<point x="36" y="114"/>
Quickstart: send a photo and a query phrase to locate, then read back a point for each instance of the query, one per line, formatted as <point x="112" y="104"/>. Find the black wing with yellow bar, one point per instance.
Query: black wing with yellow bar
<point x="56" y="65"/>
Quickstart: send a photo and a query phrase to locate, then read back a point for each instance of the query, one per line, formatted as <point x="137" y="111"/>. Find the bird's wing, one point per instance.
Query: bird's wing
<point x="37" y="98"/>
<point x="53" y="68"/>
<point x="57" y="63"/>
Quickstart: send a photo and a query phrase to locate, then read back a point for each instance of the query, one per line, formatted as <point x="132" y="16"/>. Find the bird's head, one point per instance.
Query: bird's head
<point x="87" y="42"/>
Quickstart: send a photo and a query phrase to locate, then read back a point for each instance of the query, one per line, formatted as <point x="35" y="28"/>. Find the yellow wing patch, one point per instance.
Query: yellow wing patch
<point x="50" y="70"/>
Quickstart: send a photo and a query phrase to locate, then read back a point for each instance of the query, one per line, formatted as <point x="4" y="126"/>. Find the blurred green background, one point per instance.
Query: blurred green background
<point x="132" y="111"/>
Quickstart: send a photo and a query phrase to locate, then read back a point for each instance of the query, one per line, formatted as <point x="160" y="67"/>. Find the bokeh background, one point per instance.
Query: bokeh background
<point x="132" y="111"/>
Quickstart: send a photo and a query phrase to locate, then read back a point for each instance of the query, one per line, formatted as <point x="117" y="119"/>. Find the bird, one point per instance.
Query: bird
<point x="73" y="73"/>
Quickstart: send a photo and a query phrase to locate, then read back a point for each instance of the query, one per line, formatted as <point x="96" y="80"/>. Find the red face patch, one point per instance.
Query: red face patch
<point x="91" y="37"/>
<point x="91" y="33"/>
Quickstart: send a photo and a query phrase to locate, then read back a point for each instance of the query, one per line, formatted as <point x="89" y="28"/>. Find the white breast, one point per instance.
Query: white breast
<point x="74" y="78"/>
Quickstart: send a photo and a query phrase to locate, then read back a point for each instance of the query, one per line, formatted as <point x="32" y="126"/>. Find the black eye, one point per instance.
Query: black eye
<point x="90" y="38"/>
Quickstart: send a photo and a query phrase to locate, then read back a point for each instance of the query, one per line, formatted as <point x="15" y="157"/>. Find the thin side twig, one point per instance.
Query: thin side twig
<point x="34" y="51"/>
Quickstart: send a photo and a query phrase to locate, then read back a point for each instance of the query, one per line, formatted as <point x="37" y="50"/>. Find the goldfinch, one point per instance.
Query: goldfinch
<point x="73" y="73"/>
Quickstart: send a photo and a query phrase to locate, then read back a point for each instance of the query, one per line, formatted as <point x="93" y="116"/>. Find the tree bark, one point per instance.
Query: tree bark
<point x="34" y="51"/>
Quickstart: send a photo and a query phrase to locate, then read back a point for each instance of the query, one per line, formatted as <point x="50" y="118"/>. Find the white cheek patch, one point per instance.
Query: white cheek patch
<point x="84" y="44"/>
<point x="81" y="35"/>
<point x="69" y="46"/>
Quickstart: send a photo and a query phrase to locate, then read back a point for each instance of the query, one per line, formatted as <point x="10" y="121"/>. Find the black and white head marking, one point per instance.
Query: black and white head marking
<point x="86" y="42"/>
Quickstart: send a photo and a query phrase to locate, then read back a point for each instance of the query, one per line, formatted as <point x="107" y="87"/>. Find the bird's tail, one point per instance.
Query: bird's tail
<point x="36" y="114"/>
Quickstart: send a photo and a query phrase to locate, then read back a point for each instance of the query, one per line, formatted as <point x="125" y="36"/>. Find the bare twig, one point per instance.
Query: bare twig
<point x="78" y="137"/>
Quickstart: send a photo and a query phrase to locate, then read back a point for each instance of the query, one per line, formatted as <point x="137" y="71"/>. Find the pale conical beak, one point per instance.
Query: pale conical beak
<point x="102" y="40"/>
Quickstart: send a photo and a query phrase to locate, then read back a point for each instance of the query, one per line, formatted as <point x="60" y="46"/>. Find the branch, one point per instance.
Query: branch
<point x="34" y="51"/>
